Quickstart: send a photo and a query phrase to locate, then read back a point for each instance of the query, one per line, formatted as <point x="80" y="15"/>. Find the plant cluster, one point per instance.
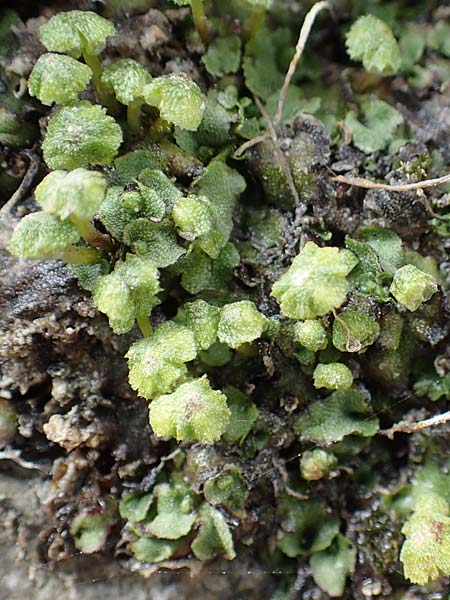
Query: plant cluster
<point x="156" y="213"/>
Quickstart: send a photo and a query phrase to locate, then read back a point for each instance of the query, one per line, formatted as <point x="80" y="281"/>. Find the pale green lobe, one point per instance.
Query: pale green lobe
<point x="178" y="99"/>
<point x="228" y="490"/>
<point x="128" y="292"/>
<point x="156" y="363"/>
<point x="315" y="283"/>
<point x="203" y="319"/>
<point x="331" y="567"/>
<point x="243" y="416"/>
<point x="240" y="323"/>
<point x="79" y="136"/>
<point x="194" y="412"/>
<point x="58" y="78"/>
<point x="42" y="236"/>
<point x="158" y="241"/>
<point x="425" y="553"/>
<point x="90" y="531"/>
<point x="112" y="296"/>
<point x="354" y="330"/>
<point x="214" y="537"/>
<point x="193" y="217"/>
<point x="306" y="526"/>
<point x="223" y="56"/>
<point x="135" y="506"/>
<point x="152" y="550"/>
<point x="371" y="41"/>
<point x="333" y="376"/>
<point x="175" y="512"/>
<point x="76" y="32"/>
<point x="316" y="464"/>
<point x="344" y="412"/>
<point x="311" y="334"/>
<point x="126" y="78"/>
<point x="79" y="192"/>
<point x="411" y="287"/>
<point x="381" y="121"/>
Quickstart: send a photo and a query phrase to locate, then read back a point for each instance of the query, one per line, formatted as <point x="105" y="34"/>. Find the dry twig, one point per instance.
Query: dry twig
<point x="402" y="187"/>
<point x="408" y="427"/>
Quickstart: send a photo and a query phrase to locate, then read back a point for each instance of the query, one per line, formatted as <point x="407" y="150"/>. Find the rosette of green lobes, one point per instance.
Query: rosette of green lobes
<point x="178" y="98"/>
<point x="315" y="283"/>
<point x="42" y="236"/>
<point x="81" y="135"/>
<point x="126" y="78"/>
<point x="58" y="78"/>
<point x="157" y="363"/>
<point x="193" y="412"/>
<point x="128" y="293"/>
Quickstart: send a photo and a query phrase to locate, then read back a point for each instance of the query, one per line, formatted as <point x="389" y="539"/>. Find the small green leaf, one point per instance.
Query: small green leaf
<point x="333" y="376"/>
<point x="193" y="217"/>
<point x="126" y="78"/>
<point x="354" y="330"/>
<point x="243" y="416"/>
<point x="175" y="511"/>
<point x="311" y="334"/>
<point x="214" y="536"/>
<point x="203" y="319"/>
<point x="331" y="567"/>
<point x="152" y="550"/>
<point x="113" y="214"/>
<point x="81" y="135"/>
<point x="135" y="507"/>
<point x="128" y="292"/>
<point x="344" y="412"/>
<point x="157" y="241"/>
<point x="228" y="490"/>
<point x="240" y="323"/>
<point x="316" y="464"/>
<point x="76" y="32"/>
<point x="161" y="185"/>
<point x="425" y="553"/>
<point x="307" y="526"/>
<point x="222" y="186"/>
<point x="42" y="236"/>
<point x="156" y="363"/>
<point x="90" y="531"/>
<point x="178" y="99"/>
<point x="223" y="56"/>
<point x="194" y="412"/>
<point x="58" y="78"/>
<point x="411" y="287"/>
<point x="79" y="193"/>
<point x="315" y="283"/>
<point x="380" y="123"/>
<point x="200" y="272"/>
<point x="386" y="244"/>
<point x="371" y="41"/>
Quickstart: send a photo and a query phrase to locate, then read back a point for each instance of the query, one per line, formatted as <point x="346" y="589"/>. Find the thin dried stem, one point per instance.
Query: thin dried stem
<point x="402" y="187"/>
<point x="407" y="427"/>
<point x="302" y="39"/>
<point x="250" y="143"/>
